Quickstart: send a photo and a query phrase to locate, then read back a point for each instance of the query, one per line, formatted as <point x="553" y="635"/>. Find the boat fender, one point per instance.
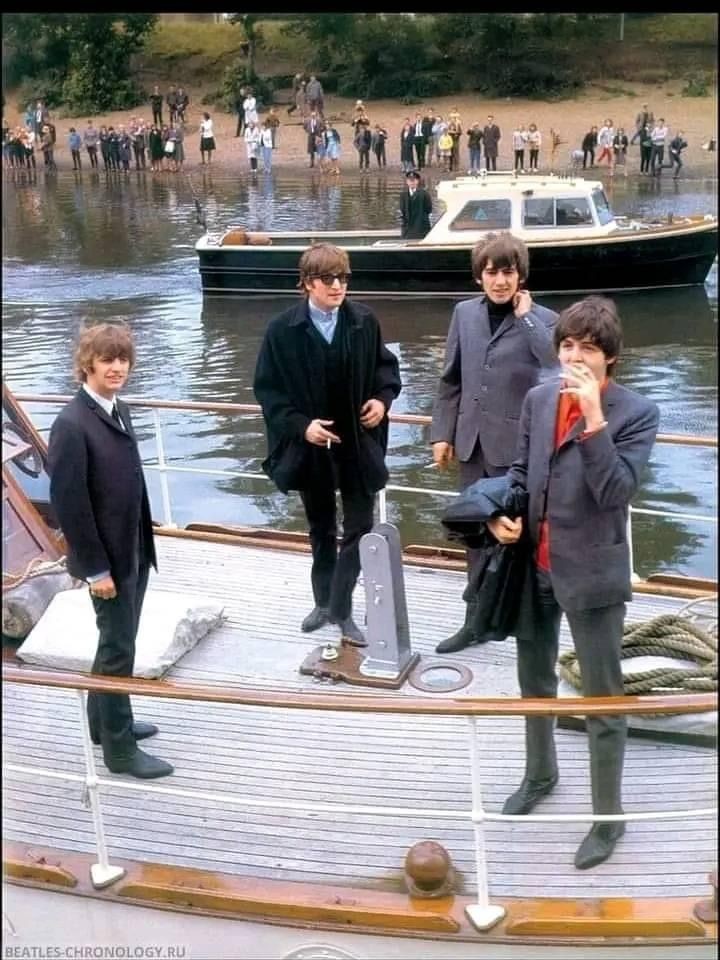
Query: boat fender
<point x="233" y="238"/>
<point x="259" y="239"/>
<point x="24" y="604"/>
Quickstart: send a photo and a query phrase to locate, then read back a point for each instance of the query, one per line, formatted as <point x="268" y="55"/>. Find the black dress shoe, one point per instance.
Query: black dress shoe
<point x="140" y="730"/>
<point x="317" y="618"/>
<point x="351" y="632"/>
<point x="140" y="764"/>
<point x="528" y="794"/>
<point x="458" y="641"/>
<point x="598" y="844"/>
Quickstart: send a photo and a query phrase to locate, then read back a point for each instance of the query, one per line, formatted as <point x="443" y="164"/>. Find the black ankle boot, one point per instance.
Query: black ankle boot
<point x="598" y="844"/>
<point x="458" y="641"/>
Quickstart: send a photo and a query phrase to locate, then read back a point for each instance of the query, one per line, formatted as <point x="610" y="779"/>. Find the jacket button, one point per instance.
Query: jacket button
<point x="486" y="366"/>
<point x="484" y="388"/>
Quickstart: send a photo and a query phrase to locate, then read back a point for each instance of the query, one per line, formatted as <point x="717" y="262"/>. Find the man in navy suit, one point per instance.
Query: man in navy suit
<point x="98" y="492"/>
<point x="498" y="347"/>
<point x="584" y="442"/>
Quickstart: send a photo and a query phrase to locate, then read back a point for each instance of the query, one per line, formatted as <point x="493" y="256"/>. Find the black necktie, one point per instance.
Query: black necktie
<point x="115" y="415"/>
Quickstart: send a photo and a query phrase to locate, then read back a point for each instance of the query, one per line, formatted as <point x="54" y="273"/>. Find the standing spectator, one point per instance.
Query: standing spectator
<point x="46" y="145"/>
<point x="379" y="137"/>
<point x="179" y="155"/>
<point x="41" y="117"/>
<point x="301" y="101"/>
<point x="677" y="145"/>
<point x="313" y="128"/>
<point x="362" y="141"/>
<point x="645" y="150"/>
<point x="240" y="110"/>
<point x="114" y="141"/>
<point x="454" y="128"/>
<point x="169" y="137"/>
<point x="325" y="382"/>
<point x="491" y="139"/>
<point x="415" y="208"/>
<point x="519" y="139"/>
<point x="644" y="118"/>
<point x="266" y="145"/>
<point x="360" y="115"/>
<point x="171" y="101"/>
<point x="30" y="117"/>
<point x="475" y="137"/>
<point x="589" y="143"/>
<point x="124" y="147"/>
<point x="182" y="102"/>
<point x="29" y="142"/>
<point x="90" y="139"/>
<point x="419" y="141"/>
<point x="297" y="84"/>
<point x="252" y="143"/>
<point x="104" y="138"/>
<point x="207" y="138"/>
<point x="445" y="146"/>
<point x="407" y="140"/>
<point x="139" y="135"/>
<point x="315" y="96"/>
<point x="658" y="136"/>
<point x="156" y="102"/>
<point x="427" y="129"/>
<point x="605" y="138"/>
<point x="250" y="108"/>
<point x="438" y="128"/>
<point x="332" y="149"/>
<point x="74" y="143"/>
<point x="155" y="143"/>
<point x="534" y="140"/>
<point x="620" y="147"/>
<point x="273" y="122"/>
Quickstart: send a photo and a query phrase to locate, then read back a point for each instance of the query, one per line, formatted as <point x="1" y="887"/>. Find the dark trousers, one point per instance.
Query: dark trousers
<point x="157" y="116"/>
<point x="92" y="155"/>
<point x="471" y="470"/>
<point x="519" y="159"/>
<point x="334" y="573"/>
<point x="534" y="154"/>
<point x="657" y="155"/>
<point x="380" y="154"/>
<point x="139" y="157"/>
<point x="645" y="153"/>
<point x="586" y="154"/>
<point x="364" y="155"/>
<point x="77" y="164"/>
<point x="597" y="636"/>
<point x="420" y="152"/>
<point x="240" y="128"/>
<point x="110" y="714"/>
<point x="490" y="161"/>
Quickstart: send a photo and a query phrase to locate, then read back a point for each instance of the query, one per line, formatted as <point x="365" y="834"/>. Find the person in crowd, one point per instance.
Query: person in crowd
<point x="445" y="145"/>
<point x="314" y="128"/>
<point x="91" y="139"/>
<point x="454" y="128"/>
<point x="207" y="139"/>
<point x="377" y="145"/>
<point x="157" y="148"/>
<point x="169" y="147"/>
<point x="156" y="103"/>
<point x="48" y="148"/>
<point x="644" y="118"/>
<point x="315" y="95"/>
<point x="124" y="147"/>
<point x="171" y="101"/>
<point x="325" y="397"/>
<point x="332" y="149"/>
<point x="584" y="442"/>
<point x="407" y="143"/>
<point x="29" y="118"/>
<point x="491" y="141"/>
<point x="266" y="146"/>
<point x="438" y="128"/>
<point x="252" y="143"/>
<point x="427" y="131"/>
<point x="419" y="141"/>
<point x="606" y="135"/>
<point x="588" y="146"/>
<point x="104" y="140"/>
<point x="240" y="110"/>
<point x="250" y="107"/>
<point x="321" y="150"/>
<point x="99" y="495"/>
<point x="114" y="143"/>
<point x="677" y="145"/>
<point x="415" y="207"/>
<point x="178" y="157"/>
<point x="182" y="102"/>
<point x="138" y="134"/>
<point x="301" y="101"/>
<point x="272" y="121"/>
<point x="475" y="137"/>
<point x="360" y="116"/>
<point x="297" y="83"/>
<point x="28" y="141"/>
<point x="362" y="142"/>
<point x="41" y="118"/>
<point x="519" y="141"/>
<point x="499" y="345"/>
<point x="534" y="142"/>
<point x="74" y="144"/>
<point x="620" y="148"/>
<point x="658" y="136"/>
<point x="645" y="150"/>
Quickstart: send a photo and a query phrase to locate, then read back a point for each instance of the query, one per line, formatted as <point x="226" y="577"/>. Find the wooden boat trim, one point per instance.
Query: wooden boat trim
<point x="534" y="921"/>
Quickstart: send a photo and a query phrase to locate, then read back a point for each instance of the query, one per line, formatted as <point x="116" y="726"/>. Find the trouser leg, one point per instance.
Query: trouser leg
<point x="471" y="470"/>
<point x="110" y="714"/>
<point x="357" y="521"/>
<point x="597" y="635"/>
<point x="321" y="513"/>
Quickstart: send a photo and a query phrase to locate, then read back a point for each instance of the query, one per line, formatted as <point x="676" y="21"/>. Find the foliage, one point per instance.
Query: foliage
<point x="238" y="75"/>
<point x="696" y="85"/>
<point x="176" y="40"/>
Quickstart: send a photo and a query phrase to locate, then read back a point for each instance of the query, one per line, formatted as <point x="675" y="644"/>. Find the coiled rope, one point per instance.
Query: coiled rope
<point x="36" y="568"/>
<point x="671" y="636"/>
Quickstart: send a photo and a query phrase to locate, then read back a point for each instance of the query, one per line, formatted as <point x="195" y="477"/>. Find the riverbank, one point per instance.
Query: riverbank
<point x="696" y="117"/>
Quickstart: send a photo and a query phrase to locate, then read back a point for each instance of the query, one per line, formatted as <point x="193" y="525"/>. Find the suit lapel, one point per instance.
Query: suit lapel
<point x="99" y="412"/>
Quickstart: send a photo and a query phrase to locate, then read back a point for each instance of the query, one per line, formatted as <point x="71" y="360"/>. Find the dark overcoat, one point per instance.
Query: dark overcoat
<point x="415" y="213"/>
<point x="98" y="490"/>
<point x="290" y="387"/>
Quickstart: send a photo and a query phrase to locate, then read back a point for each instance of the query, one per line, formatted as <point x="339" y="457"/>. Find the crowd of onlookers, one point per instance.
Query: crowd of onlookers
<point x="427" y="139"/>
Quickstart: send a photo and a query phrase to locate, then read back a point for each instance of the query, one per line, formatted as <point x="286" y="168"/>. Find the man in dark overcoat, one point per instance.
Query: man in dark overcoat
<point x="415" y="208"/>
<point x="98" y="492"/>
<point x="584" y="442"/>
<point x="491" y="140"/>
<point x="325" y="381"/>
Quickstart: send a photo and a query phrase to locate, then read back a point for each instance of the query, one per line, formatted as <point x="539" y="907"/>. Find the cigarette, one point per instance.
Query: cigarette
<point x="429" y="466"/>
<point x="328" y="443"/>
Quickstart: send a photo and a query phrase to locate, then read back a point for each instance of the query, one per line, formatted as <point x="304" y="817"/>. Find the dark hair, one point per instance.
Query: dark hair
<point x="322" y="258"/>
<point x="594" y="318"/>
<point x="504" y="250"/>
<point x="106" y="341"/>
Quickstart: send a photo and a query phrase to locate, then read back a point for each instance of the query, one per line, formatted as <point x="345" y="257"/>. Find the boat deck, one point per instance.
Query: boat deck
<point x="351" y="758"/>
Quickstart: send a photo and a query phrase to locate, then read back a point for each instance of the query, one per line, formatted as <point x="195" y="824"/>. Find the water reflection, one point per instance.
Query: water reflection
<point x="102" y="247"/>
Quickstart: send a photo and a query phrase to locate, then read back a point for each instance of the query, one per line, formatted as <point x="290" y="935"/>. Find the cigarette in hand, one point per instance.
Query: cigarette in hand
<point x="328" y="444"/>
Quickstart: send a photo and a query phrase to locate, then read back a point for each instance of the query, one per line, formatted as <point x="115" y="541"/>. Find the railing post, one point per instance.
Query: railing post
<point x="102" y="873"/>
<point x="164" y="488"/>
<point x="382" y="505"/>
<point x="482" y="914"/>
<point x="633" y="576"/>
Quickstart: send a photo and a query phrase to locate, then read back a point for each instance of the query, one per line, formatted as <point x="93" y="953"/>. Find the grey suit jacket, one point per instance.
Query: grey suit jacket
<point x="486" y="377"/>
<point x="587" y="485"/>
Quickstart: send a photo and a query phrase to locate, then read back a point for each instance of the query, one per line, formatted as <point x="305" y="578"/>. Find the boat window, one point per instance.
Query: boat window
<point x="538" y="212"/>
<point x="572" y="211"/>
<point x="605" y="214"/>
<point x="483" y="215"/>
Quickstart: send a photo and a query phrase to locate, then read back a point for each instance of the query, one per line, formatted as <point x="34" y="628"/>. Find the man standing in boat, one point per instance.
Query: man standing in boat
<point x="498" y="347"/>
<point x="98" y="492"/>
<point x="415" y="208"/>
<point x="584" y="442"/>
<point x="325" y="381"/>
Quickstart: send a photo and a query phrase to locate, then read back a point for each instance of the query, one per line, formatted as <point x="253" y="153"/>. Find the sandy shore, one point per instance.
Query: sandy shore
<point x="696" y="117"/>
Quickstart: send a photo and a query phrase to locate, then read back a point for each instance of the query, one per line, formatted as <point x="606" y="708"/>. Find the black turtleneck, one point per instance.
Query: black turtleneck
<point x="497" y="313"/>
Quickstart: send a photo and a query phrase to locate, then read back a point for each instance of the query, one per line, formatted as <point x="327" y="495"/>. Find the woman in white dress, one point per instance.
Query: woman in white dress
<point x="207" y="138"/>
<point x="250" y="108"/>
<point x="252" y="143"/>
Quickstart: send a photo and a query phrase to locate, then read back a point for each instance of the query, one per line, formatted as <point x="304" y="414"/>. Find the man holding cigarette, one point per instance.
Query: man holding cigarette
<point x="325" y="381"/>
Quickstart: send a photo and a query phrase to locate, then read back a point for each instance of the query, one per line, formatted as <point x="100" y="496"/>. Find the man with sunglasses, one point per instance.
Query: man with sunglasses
<point x="325" y="381"/>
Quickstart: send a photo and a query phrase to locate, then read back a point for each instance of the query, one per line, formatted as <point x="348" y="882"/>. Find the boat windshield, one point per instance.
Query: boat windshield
<point x="557" y="212"/>
<point x="605" y="214"/>
<point x="483" y="215"/>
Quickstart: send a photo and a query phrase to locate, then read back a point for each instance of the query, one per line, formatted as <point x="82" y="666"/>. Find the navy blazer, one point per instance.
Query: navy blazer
<point x="98" y="490"/>
<point x="486" y="377"/>
<point x="584" y="488"/>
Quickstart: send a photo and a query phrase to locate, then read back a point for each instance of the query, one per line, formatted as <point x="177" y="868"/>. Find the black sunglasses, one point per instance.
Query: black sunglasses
<point x="329" y="278"/>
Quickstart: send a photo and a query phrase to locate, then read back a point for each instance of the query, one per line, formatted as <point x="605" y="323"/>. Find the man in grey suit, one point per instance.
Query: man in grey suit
<point x="584" y="441"/>
<point x="498" y="347"/>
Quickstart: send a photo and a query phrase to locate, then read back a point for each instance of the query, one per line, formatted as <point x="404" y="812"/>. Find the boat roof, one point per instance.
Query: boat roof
<point x="507" y="184"/>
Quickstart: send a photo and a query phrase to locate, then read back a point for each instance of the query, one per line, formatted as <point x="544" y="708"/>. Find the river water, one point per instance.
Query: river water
<point x="90" y="247"/>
